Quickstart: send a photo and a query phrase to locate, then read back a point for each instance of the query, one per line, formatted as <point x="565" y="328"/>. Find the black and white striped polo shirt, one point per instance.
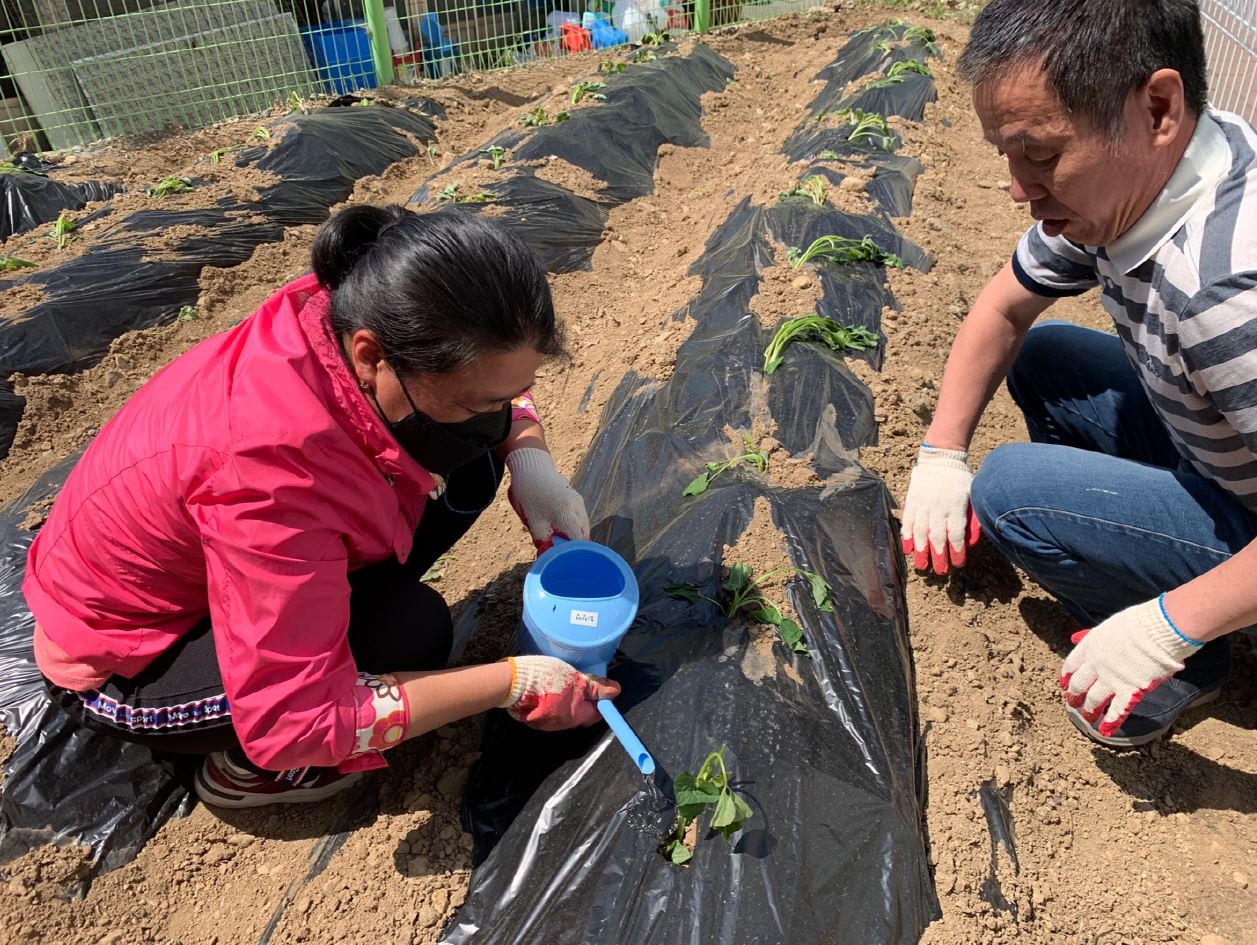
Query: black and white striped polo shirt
<point x="1181" y="287"/>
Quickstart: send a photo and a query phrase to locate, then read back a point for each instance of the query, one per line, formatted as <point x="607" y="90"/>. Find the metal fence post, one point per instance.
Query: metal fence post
<point x="377" y="29"/>
<point x="702" y="16"/>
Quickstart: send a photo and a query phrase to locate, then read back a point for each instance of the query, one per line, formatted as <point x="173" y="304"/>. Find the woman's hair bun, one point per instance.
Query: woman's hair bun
<point x="347" y="237"/>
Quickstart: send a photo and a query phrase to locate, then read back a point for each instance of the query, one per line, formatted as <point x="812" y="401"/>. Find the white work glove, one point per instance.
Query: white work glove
<point x="937" y="517"/>
<point x="1122" y="660"/>
<point x="543" y="498"/>
<point x="551" y="695"/>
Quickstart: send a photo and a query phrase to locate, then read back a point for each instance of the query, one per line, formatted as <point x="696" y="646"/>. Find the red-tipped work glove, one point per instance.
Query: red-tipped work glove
<point x="939" y="525"/>
<point x="1122" y="660"/>
<point x="544" y="500"/>
<point x="551" y="695"/>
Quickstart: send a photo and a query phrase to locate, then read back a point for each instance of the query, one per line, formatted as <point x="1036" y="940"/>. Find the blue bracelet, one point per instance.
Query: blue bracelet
<point x="1184" y="637"/>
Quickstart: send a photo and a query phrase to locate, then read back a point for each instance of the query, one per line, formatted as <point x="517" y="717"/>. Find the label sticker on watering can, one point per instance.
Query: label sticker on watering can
<point x="584" y="618"/>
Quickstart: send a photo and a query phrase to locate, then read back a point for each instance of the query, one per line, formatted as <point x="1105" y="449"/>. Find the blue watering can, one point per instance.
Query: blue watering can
<point x="579" y="600"/>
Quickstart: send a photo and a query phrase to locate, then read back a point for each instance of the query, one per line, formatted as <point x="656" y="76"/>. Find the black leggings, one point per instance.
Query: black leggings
<point x="396" y="624"/>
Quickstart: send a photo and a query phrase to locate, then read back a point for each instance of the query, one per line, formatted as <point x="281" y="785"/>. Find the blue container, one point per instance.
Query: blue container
<point x="342" y="54"/>
<point x="579" y="600"/>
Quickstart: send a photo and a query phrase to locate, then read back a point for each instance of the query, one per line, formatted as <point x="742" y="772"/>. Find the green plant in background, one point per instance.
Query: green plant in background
<point x="923" y="36"/>
<point x="840" y="249"/>
<point x="218" y="154"/>
<point x="539" y="117"/>
<point x="8" y="167"/>
<point x="868" y="126"/>
<point x="591" y="88"/>
<point x="657" y="38"/>
<point x="169" y="185"/>
<point x="11" y="263"/>
<point x="886" y="29"/>
<point x="813" y="188"/>
<point x="437" y="570"/>
<point x="298" y="104"/>
<point x="644" y="55"/>
<point x="612" y="67"/>
<point x="898" y="73"/>
<point x="742" y="595"/>
<point x="449" y="194"/>
<point x="260" y="134"/>
<point x="752" y="457"/>
<point x="186" y="314"/>
<point x="829" y="155"/>
<point x="884" y="47"/>
<point x="710" y="789"/>
<point x="816" y="328"/>
<point x="63" y="229"/>
<point x="496" y="154"/>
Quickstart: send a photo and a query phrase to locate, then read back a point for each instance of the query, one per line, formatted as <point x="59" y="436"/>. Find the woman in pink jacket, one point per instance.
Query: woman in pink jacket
<point x="232" y="569"/>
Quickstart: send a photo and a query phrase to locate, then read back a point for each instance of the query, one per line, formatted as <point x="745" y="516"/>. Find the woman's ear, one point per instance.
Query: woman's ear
<point x="366" y="358"/>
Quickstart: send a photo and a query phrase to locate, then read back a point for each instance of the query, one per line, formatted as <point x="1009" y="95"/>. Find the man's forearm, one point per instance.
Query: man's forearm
<point x="984" y="350"/>
<point x="1218" y="602"/>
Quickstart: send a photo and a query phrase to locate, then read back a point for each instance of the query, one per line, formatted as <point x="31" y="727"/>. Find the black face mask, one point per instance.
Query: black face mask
<point x="441" y="448"/>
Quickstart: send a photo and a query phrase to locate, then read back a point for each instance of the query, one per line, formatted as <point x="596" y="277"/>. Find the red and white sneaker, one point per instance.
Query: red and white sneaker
<point x="224" y="782"/>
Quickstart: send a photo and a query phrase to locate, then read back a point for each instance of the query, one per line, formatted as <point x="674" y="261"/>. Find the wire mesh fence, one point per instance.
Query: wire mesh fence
<point x="1231" y="45"/>
<point x="73" y="72"/>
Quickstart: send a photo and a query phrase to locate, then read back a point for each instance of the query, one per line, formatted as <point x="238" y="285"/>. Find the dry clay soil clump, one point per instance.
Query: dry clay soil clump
<point x="1153" y="846"/>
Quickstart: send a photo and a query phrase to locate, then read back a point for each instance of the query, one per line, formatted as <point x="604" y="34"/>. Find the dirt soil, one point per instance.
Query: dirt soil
<point x="1152" y="846"/>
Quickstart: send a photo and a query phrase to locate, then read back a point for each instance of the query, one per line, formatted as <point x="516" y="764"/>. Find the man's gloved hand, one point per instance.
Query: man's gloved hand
<point x="1121" y="661"/>
<point x="938" y="522"/>
<point x="544" y="500"/>
<point x="551" y="695"/>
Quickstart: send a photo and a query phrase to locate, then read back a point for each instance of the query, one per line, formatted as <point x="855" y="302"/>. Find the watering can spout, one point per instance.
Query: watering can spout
<point x="627" y="737"/>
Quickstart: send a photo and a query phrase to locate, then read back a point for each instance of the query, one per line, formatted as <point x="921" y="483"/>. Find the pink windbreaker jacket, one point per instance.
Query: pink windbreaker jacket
<point x="244" y="481"/>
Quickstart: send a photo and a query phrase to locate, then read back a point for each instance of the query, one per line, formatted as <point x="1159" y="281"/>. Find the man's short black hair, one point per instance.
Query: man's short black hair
<point x="1095" y="53"/>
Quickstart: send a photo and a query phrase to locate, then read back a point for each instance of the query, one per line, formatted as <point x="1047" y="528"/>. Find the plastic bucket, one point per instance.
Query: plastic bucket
<point x="579" y="600"/>
<point x="342" y="55"/>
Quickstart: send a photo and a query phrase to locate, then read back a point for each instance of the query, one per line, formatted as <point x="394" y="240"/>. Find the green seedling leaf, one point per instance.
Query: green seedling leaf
<point x="495" y="154"/>
<point x="448" y="193"/>
<point x="765" y="613"/>
<point x="828" y="155"/>
<point x="10" y="263"/>
<point x="792" y="636"/>
<point x="435" y="572"/>
<point x="822" y="593"/>
<point x="726" y="811"/>
<point x="657" y="38"/>
<point x="813" y="188"/>
<point x="593" y="89"/>
<point x="187" y="313"/>
<point x="644" y="55"/>
<point x="260" y="134"/>
<point x="816" y="328"/>
<point x="62" y="229"/>
<point x="169" y="185"/>
<point x="611" y="67"/>
<point x="698" y="485"/>
<point x="218" y="154"/>
<point x="687" y="592"/>
<point x="843" y="250"/>
<point x="676" y="851"/>
<point x="739" y="579"/>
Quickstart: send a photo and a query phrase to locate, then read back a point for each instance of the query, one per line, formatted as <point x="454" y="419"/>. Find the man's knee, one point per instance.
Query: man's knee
<point x="1003" y="484"/>
<point x="1039" y="355"/>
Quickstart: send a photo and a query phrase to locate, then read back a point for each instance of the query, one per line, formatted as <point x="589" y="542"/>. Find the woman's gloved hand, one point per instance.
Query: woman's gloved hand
<point x="543" y="498"/>
<point x="550" y="695"/>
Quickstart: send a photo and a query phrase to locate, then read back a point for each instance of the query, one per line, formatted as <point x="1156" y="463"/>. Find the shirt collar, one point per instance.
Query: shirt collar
<point x="1205" y="162"/>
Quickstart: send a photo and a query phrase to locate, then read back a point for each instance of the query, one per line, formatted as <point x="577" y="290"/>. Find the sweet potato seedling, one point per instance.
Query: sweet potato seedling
<point x="539" y="117"/>
<point x="169" y="185"/>
<point x="924" y="37"/>
<point x="813" y="188"/>
<point x="63" y="229"/>
<point x="260" y="134"/>
<point x="186" y="314"/>
<point x="11" y="263"/>
<point x="215" y="156"/>
<point x="752" y="457"/>
<point x="644" y="55"/>
<point x="657" y="38"/>
<point x="449" y="194"/>
<point x="840" y="249"/>
<point x="884" y="47"/>
<point x="710" y="789"/>
<point x="898" y="73"/>
<point x="298" y="104"/>
<point x="816" y="328"/>
<point x="593" y="89"/>
<point x="741" y="595"/>
<point x="829" y="155"/>
<point x="496" y="154"/>
<point x="612" y="67"/>
<point x="868" y="126"/>
<point x="886" y="29"/>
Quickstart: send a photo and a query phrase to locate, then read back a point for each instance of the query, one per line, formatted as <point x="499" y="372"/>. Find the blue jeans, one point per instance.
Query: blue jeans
<point x="1099" y="508"/>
